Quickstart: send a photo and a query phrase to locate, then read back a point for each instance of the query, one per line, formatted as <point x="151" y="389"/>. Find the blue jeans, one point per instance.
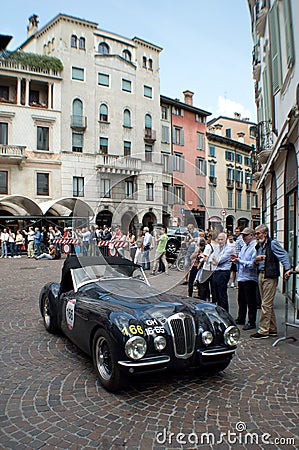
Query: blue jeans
<point x="4" y="249"/>
<point x="145" y="261"/>
<point x="220" y="280"/>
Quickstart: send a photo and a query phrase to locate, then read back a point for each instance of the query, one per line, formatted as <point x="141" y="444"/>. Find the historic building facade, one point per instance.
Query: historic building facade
<point x="275" y="34"/>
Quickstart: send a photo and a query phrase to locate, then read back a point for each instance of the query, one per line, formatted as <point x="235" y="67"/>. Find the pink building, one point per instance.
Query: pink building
<point x="189" y="160"/>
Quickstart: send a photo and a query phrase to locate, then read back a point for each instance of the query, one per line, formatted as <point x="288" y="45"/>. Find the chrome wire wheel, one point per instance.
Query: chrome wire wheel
<point x="103" y="358"/>
<point x="46" y="312"/>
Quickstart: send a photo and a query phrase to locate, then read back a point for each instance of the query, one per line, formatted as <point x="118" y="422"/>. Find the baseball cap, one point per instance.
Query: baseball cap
<point x="146" y="229"/>
<point x="247" y="231"/>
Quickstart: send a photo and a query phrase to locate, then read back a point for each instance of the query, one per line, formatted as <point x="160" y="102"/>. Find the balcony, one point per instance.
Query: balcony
<point x="264" y="141"/>
<point x="115" y="164"/>
<point x="213" y="181"/>
<point x="230" y="184"/>
<point x="12" y="154"/>
<point x="261" y="18"/>
<point x="149" y="135"/>
<point x="239" y="185"/>
<point x="78" y="123"/>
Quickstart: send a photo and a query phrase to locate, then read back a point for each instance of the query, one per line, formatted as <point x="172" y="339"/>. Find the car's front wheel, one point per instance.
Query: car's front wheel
<point x="105" y="361"/>
<point x="47" y="315"/>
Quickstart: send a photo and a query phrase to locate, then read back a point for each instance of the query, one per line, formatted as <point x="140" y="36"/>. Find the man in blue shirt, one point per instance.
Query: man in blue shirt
<point x="222" y="260"/>
<point x="269" y="253"/>
<point x="247" y="280"/>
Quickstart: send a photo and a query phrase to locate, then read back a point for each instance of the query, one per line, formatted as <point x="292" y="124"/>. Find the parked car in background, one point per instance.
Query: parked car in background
<point x="108" y="309"/>
<point x="176" y="236"/>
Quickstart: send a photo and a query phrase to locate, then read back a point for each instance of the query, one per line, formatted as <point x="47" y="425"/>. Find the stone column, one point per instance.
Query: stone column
<point x="50" y="95"/>
<point x="19" y="89"/>
<point x="27" y="86"/>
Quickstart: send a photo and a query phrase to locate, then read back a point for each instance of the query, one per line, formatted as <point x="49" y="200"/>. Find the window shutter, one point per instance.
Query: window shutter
<point x="289" y="32"/>
<point x="275" y="48"/>
<point x="183" y="194"/>
<point x="182" y="137"/>
<point x="173" y="136"/>
<point x="182" y="163"/>
<point x="171" y="195"/>
<point x="205" y="168"/>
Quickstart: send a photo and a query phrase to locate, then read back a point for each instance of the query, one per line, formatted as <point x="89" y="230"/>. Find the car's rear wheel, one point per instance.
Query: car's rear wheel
<point x="105" y="361"/>
<point x="47" y="315"/>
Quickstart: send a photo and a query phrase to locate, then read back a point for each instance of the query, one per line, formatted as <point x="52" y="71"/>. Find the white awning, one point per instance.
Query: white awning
<point x="66" y="206"/>
<point x="20" y="205"/>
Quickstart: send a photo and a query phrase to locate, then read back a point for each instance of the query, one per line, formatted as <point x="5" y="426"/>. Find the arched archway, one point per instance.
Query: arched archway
<point x="243" y="223"/>
<point x="149" y="220"/>
<point x="104" y="217"/>
<point x="129" y="222"/>
<point x="230" y="224"/>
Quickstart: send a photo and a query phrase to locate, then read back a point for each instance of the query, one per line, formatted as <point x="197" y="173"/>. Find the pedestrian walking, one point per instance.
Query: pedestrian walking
<point x="269" y="253"/>
<point x="161" y="251"/>
<point x="30" y="240"/>
<point x="147" y="243"/>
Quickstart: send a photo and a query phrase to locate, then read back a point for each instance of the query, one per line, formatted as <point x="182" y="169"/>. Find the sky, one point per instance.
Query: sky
<point x="207" y="45"/>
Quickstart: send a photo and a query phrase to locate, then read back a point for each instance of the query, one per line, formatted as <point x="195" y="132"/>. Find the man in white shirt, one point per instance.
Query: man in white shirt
<point x="145" y="262"/>
<point x="4" y="243"/>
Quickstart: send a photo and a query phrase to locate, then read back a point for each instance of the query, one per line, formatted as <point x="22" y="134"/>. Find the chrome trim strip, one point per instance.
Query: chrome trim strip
<point x="215" y="353"/>
<point x="146" y="362"/>
<point x="182" y="317"/>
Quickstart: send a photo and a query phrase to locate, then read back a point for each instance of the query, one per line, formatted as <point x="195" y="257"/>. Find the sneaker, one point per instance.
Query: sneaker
<point x="249" y="327"/>
<point x="232" y="285"/>
<point x="259" y="336"/>
<point x="153" y="273"/>
<point x="273" y="333"/>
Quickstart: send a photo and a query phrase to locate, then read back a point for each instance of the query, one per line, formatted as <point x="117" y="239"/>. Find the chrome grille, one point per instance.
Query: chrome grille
<point x="182" y="330"/>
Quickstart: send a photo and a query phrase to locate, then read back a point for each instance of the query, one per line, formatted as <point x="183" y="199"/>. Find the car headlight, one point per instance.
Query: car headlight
<point x="207" y="337"/>
<point x="159" y="343"/>
<point x="135" y="347"/>
<point x="232" y="336"/>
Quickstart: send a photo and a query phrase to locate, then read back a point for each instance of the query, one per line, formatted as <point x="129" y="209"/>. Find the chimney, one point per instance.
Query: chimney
<point x="188" y="95"/>
<point x="218" y="129"/>
<point x="241" y="137"/>
<point x="33" y="25"/>
<point x="237" y="115"/>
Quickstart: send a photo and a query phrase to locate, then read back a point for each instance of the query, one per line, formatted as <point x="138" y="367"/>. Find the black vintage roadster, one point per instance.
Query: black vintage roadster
<point x="108" y="309"/>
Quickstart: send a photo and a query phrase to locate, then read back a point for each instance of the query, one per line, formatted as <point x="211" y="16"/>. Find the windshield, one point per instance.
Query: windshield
<point x="88" y="274"/>
<point x="128" y="288"/>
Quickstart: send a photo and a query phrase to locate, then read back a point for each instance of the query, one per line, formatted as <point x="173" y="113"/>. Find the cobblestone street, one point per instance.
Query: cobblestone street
<point x="51" y="397"/>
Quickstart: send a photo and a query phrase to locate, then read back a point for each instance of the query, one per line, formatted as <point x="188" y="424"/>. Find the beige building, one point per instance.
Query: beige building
<point x="110" y="137"/>
<point x="231" y="197"/>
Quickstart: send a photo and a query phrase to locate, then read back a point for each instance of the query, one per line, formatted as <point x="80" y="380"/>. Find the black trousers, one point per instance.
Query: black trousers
<point x="220" y="280"/>
<point x="247" y="300"/>
<point x="192" y="276"/>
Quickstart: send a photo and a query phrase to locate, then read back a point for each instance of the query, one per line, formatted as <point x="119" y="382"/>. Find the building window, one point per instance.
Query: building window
<point x="201" y="196"/>
<point x="77" y="74"/>
<point x="150" y="64"/>
<point x="212" y="170"/>
<point x="103" y="79"/>
<point x="77" y="110"/>
<point x="247" y="161"/>
<point x="200" y="141"/>
<point x="144" y="62"/>
<point x="127" y="148"/>
<point x="166" y="194"/>
<point x="178" y="111"/>
<point x="165" y="135"/>
<point x="103" y="48"/>
<point x="212" y="151"/>
<point x="228" y="133"/>
<point x="42" y="138"/>
<point x="3" y="133"/>
<point x="201" y="166"/>
<point x="129" y="189"/>
<point x="126" y="85"/>
<point x="78" y="186"/>
<point x="239" y="158"/>
<point x="229" y="199"/>
<point x="4" y="93"/>
<point x="179" y="195"/>
<point x="127" y="118"/>
<point x="230" y="174"/>
<point x="127" y="55"/>
<point x="3" y="182"/>
<point x="179" y="162"/>
<point x="148" y="121"/>
<point x="77" y="142"/>
<point x="248" y="202"/>
<point x="105" y="188"/>
<point x="229" y="156"/>
<point x="239" y="200"/>
<point x="148" y="153"/>
<point x="255" y="203"/>
<point x="42" y="184"/>
<point x="164" y="112"/>
<point x="148" y="92"/>
<point x="82" y="43"/>
<point x="212" y="196"/>
<point x="104" y="145"/>
<point x="103" y="113"/>
<point x="34" y="97"/>
<point x="166" y="163"/>
<point x="149" y="191"/>
<point x="178" y="136"/>
<point x="74" y="41"/>
<point x="239" y="176"/>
